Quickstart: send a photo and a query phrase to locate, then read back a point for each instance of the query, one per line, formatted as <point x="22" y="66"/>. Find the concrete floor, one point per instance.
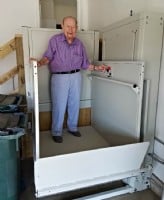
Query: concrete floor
<point x="144" y="195"/>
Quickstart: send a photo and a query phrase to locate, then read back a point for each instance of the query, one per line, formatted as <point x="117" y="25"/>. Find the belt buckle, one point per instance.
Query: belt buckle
<point x="72" y="71"/>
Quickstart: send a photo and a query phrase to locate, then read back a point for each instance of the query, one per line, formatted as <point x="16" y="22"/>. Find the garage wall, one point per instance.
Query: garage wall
<point x="104" y="12"/>
<point x="13" y="15"/>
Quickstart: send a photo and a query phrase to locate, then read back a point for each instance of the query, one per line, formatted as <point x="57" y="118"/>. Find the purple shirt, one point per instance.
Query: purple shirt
<point x="64" y="56"/>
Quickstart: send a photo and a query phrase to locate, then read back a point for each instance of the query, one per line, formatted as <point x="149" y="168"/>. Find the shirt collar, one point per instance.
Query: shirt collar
<point x="63" y="38"/>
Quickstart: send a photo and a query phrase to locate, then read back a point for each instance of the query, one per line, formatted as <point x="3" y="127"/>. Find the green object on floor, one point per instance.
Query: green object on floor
<point x="8" y="169"/>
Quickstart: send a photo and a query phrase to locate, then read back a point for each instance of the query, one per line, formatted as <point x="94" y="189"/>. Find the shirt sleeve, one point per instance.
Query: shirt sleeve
<point x="49" y="53"/>
<point x="85" y="63"/>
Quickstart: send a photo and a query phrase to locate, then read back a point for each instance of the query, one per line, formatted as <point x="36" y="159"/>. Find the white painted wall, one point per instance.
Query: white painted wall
<point x="104" y="12"/>
<point x="108" y="12"/>
<point x="13" y="15"/>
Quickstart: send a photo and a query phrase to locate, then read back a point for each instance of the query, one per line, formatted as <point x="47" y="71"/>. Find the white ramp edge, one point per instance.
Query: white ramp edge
<point x="82" y="169"/>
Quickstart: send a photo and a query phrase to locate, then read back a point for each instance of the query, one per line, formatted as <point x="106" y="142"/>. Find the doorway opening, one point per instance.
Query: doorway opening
<point x="53" y="11"/>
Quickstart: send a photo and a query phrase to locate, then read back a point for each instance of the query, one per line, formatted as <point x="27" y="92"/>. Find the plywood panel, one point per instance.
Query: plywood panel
<point x="84" y="119"/>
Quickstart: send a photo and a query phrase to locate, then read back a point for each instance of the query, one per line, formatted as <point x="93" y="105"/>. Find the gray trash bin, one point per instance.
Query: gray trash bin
<point x="9" y="168"/>
<point x="12" y="126"/>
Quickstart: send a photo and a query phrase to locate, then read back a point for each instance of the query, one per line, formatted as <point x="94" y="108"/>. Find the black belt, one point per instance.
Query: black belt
<point x="68" y="72"/>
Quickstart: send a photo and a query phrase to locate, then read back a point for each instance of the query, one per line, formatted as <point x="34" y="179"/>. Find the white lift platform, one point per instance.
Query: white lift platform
<point x="82" y="169"/>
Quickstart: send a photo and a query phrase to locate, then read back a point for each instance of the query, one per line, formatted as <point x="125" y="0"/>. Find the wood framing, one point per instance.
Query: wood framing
<point x="15" y="44"/>
<point x="26" y="143"/>
<point x="20" y="63"/>
<point x="7" y="48"/>
<point x="8" y="75"/>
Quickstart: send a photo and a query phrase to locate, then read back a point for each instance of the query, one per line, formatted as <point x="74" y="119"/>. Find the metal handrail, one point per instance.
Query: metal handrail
<point x="160" y="141"/>
<point x="133" y="86"/>
<point x="156" y="158"/>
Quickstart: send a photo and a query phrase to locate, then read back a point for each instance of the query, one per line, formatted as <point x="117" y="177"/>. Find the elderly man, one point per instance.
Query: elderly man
<point x="66" y="56"/>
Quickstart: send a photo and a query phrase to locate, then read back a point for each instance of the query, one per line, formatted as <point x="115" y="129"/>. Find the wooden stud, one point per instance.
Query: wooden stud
<point x="7" y="48"/>
<point x="84" y="117"/>
<point x="45" y="121"/>
<point x="20" y="63"/>
<point x="10" y="74"/>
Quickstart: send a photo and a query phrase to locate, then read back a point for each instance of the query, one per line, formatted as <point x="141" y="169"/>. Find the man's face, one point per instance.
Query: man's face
<point x="69" y="28"/>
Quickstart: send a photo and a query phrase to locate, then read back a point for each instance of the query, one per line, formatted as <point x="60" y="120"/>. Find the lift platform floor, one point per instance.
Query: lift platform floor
<point x="89" y="140"/>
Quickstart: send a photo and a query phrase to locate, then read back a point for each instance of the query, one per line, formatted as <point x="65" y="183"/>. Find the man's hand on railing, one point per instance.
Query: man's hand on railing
<point x="43" y="61"/>
<point x="99" y="68"/>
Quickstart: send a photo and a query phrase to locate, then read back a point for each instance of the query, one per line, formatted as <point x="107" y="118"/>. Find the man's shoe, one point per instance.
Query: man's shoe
<point x="57" y="139"/>
<point x="75" y="133"/>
